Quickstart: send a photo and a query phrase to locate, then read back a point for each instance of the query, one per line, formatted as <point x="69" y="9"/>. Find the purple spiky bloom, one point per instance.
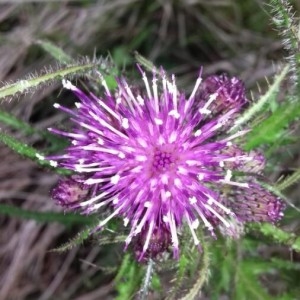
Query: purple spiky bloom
<point x="160" y="159"/>
<point x="70" y="191"/>
<point x="257" y="205"/>
<point x="230" y="92"/>
<point x="159" y="242"/>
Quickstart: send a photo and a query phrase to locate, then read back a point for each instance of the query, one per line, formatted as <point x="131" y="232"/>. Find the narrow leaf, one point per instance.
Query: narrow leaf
<point x="257" y="107"/>
<point x="26" y="85"/>
<point x="15" y="123"/>
<point x="76" y="241"/>
<point x="281" y="236"/>
<point x="128" y="278"/>
<point x="63" y="218"/>
<point x="272" y="128"/>
<point x="55" y="51"/>
<point x="29" y="152"/>
<point x="56" y="142"/>
<point x="294" y="178"/>
<point x="145" y="62"/>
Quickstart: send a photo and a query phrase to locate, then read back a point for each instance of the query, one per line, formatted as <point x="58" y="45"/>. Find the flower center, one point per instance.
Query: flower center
<point x="164" y="158"/>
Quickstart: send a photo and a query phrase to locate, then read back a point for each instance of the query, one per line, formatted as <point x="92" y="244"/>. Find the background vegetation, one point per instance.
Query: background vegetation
<point x="40" y="42"/>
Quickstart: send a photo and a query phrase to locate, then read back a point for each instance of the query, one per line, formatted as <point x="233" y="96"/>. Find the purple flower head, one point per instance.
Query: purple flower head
<point x="257" y="205"/>
<point x="160" y="240"/>
<point x="255" y="163"/>
<point x="229" y="92"/>
<point x="157" y="161"/>
<point x="70" y="191"/>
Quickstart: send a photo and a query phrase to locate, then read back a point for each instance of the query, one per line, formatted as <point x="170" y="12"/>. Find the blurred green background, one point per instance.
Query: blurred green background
<point x="236" y="37"/>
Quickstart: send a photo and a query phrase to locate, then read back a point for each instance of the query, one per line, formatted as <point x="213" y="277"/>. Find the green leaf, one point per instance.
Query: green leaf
<point x="224" y="264"/>
<point x="156" y="283"/>
<point x="279" y="235"/>
<point x="55" y="51"/>
<point x="29" y="152"/>
<point x="193" y="269"/>
<point x="258" y="106"/>
<point x="247" y="285"/>
<point x="121" y="56"/>
<point x="285" y="264"/>
<point x="21" y="148"/>
<point x="144" y="62"/>
<point x="77" y="240"/>
<point x="290" y="180"/>
<point x="128" y="278"/>
<point x="15" y="123"/>
<point x="56" y="142"/>
<point x="124" y="266"/>
<point x="201" y="275"/>
<point x="26" y="85"/>
<point x="48" y="217"/>
<point x="272" y="128"/>
<point x="83" y="235"/>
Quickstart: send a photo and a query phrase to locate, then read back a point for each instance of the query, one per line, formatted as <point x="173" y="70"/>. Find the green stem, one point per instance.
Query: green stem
<point x="147" y="281"/>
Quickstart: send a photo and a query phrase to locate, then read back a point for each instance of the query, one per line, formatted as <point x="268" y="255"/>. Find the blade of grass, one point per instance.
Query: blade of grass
<point x="29" y="152"/>
<point x="56" y="142"/>
<point x="15" y="123"/>
<point x="55" y="51"/>
<point x="66" y="219"/>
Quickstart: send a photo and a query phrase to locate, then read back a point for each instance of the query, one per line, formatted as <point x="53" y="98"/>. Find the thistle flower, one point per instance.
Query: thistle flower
<point x="70" y="191"/>
<point x="255" y="164"/>
<point x="160" y="159"/>
<point x="229" y="93"/>
<point x="159" y="242"/>
<point x="257" y="205"/>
